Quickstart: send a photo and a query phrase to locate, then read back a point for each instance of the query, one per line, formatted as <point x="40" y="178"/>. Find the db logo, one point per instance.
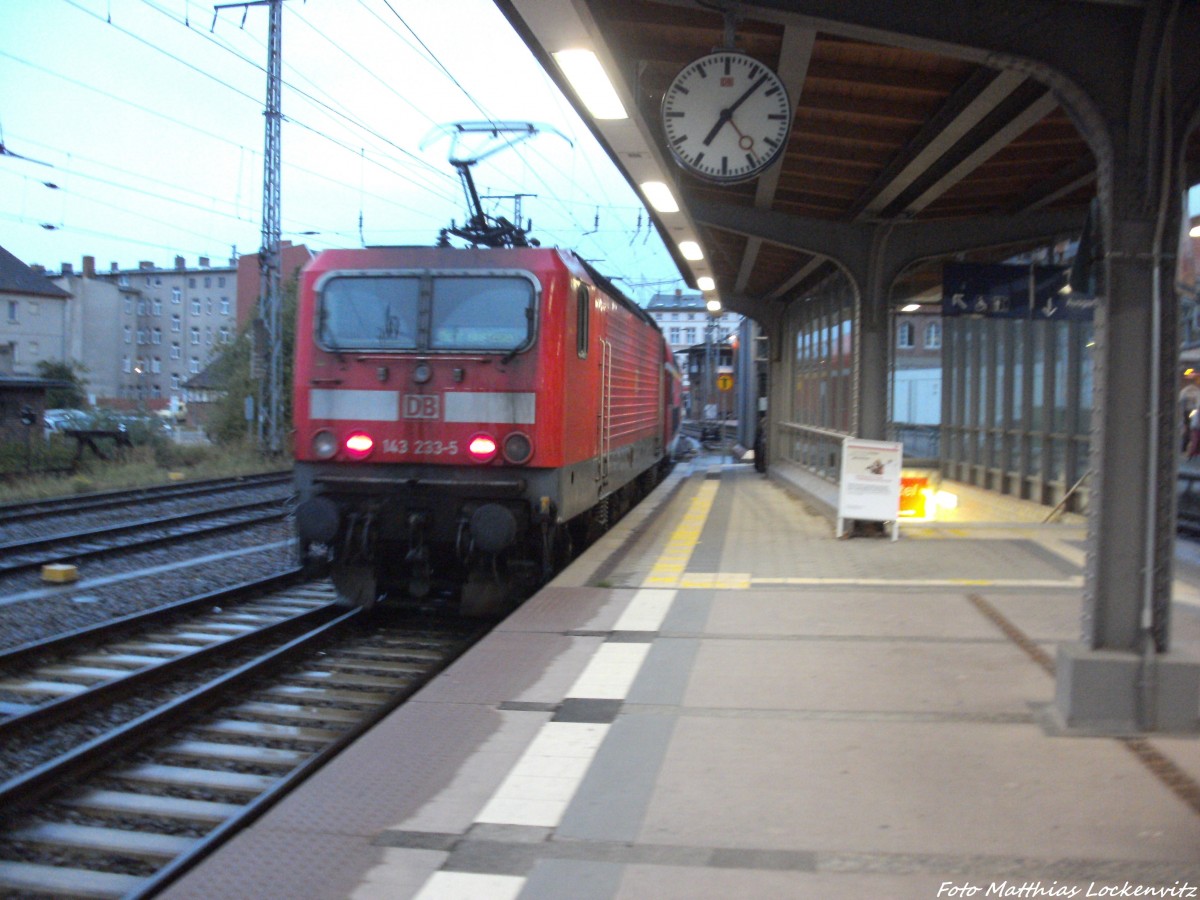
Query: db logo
<point x="420" y="406"/>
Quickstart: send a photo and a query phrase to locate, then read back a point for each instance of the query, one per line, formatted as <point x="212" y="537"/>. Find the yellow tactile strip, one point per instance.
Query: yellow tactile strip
<point x="671" y="565"/>
<point x="670" y="570"/>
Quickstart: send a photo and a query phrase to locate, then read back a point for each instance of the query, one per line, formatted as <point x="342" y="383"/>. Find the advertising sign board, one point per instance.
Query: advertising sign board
<point x="869" y="487"/>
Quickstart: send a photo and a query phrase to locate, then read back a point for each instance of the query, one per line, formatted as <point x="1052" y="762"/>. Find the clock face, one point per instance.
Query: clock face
<point x="726" y="116"/>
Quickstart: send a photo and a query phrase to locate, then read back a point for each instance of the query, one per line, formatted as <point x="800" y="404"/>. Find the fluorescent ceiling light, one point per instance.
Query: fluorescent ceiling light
<point x="691" y="250"/>
<point x="660" y="196"/>
<point x="1194" y="231"/>
<point x="911" y="307"/>
<point x="706" y="283"/>
<point x="591" y="83"/>
<point x="713" y="306"/>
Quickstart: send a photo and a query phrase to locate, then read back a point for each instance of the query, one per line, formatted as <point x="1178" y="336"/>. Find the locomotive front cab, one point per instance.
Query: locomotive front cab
<point x="416" y="412"/>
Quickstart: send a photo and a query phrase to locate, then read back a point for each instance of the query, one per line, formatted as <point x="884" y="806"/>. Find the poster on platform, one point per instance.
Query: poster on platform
<point x="869" y="488"/>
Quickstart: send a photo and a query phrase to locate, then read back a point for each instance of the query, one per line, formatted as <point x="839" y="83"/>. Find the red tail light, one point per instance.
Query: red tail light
<point x="359" y="445"/>
<point x="482" y="447"/>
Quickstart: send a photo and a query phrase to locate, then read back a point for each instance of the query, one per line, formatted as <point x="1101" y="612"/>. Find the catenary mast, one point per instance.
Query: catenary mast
<point x="267" y="357"/>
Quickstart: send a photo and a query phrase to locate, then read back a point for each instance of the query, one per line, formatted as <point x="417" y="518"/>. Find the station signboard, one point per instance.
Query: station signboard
<point x="998" y="291"/>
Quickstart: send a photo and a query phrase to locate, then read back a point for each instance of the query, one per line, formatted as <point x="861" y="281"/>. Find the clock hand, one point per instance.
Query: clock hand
<point x="744" y="140"/>
<point x="727" y="113"/>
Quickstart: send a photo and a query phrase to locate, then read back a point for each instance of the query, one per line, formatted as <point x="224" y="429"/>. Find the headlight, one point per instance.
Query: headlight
<point x="324" y="445"/>
<point x="359" y="445"/>
<point x="518" y="448"/>
<point x="482" y="448"/>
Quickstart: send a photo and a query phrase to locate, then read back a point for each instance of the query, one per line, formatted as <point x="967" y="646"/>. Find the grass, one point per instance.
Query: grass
<point x="143" y="466"/>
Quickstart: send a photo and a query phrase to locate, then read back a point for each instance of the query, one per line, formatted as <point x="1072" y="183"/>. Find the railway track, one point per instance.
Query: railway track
<point x="127" y="812"/>
<point x="33" y="553"/>
<point x="40" y="509"/>
<point x="50" y="680"/>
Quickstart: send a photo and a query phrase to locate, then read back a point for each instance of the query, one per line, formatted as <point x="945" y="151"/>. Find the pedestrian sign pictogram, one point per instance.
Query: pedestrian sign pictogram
<point x="724" y="382"/>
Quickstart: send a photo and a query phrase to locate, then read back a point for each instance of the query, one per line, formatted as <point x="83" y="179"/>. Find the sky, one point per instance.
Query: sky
<point x="150" y="118"/>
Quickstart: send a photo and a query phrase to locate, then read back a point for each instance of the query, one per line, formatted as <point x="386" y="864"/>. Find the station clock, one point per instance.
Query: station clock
<point x="726" y="117"/>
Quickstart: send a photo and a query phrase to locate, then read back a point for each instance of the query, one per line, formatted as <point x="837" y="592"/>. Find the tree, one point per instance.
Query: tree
<point x="71" y="394"/>
<point x="231" y="375"/>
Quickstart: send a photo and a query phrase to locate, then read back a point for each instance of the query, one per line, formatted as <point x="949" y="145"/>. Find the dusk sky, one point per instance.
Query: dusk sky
<point x="151" y="120"/>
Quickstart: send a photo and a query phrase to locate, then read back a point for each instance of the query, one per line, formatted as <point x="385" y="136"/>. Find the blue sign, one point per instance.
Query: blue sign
<point x="1058" y="306"/>
<point x="995" y="291"/>
<point x="1011" y="292"/>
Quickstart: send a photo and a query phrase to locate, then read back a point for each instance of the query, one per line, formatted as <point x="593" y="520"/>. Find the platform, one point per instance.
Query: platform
<point x="720" y="699"/>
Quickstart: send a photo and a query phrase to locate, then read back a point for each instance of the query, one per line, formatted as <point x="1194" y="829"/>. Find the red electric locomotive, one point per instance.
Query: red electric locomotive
<point x="469" y="410"/>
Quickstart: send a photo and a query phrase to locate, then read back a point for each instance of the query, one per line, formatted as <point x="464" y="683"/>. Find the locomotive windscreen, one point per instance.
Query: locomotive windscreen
<point x="426" y="312"/>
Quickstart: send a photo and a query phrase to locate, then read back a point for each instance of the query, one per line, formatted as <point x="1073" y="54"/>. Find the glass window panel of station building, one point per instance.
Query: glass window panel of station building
<point x="824" y="362"/>
<point x="1018" y="405"/>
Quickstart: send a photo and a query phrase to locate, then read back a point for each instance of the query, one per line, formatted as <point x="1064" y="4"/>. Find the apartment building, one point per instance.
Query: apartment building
<point x="173" y="322"/>
<point x="33" y="317"/>
<point x="94" y="320"/>
<point x="685" y="321"/>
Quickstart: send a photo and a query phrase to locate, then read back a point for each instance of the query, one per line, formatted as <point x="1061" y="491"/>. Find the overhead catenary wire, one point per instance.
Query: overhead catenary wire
<point x="331" y="107"/>
<point x="570" y="203"/>
<point x="291" y="167"/>
<point x="193" y="127"/>
<point x="257" y="100"/>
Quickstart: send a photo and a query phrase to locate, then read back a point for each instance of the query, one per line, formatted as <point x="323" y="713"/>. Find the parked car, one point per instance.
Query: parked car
<point x="58" y="420"/>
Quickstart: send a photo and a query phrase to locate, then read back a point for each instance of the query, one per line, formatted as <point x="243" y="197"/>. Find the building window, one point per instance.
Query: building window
<point x="141" y="336"/>
<point x="210" y="306"/>
<point x="176" y="353"/>
<point x="224" y="306"/>
<point x="194" y="365"/>
<point x="156" y="365"/>
<point x="195" y="306"/>
<point x="12" y="310"/>
<point x="156" y="336"/>
<point x="220" y="281"/>
<point x="174" y="382"/>
<point x="126" y="365"/>
<point x="933" y="336"/>
<point x="689" y="336"/>
<point x="195" y="337"/>
<point x="155" y="391"/>
<point x="156" y="306"/>
<point x="675" y="335"/>
<point x="176" y="323"/>
<point x="191" y="282"/>
<point x="905" y="338"/>
<point x="129" y="306"/>
<point x="123" y="281"/>
<point x="208" y="336"/>
<point x="141" y="307"/>
<point x="128" y="335"/>
<point x="224" y="335"/>
<point x="208" y="281"/>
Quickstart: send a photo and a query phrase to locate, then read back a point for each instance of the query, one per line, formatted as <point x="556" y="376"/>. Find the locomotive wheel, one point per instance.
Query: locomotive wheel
<point x="599" y="520"/>
<point x="558" y="549"/>
<point x="356" y="585"/>
<point x="564" y="547"/>
<point x="484" y="597"/>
